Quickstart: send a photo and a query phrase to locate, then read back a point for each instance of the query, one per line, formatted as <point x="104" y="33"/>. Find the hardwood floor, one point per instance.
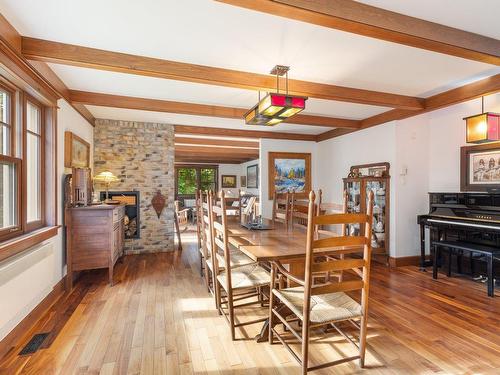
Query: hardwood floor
<point x="159" y="319"/>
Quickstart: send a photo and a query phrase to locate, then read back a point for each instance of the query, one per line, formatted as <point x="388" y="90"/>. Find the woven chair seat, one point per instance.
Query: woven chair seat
<point x="249" y="276"/>
<point x="325" y="308"/>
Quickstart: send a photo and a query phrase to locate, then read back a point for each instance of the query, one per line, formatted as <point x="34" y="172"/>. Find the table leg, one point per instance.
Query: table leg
<point x="263" y="336"/>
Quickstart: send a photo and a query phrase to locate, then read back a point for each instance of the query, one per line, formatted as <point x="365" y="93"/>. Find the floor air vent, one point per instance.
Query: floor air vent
<point x="35" y="343"/>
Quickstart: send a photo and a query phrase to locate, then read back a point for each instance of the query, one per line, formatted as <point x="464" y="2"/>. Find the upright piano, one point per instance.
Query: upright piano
<point x="471" y="217"/>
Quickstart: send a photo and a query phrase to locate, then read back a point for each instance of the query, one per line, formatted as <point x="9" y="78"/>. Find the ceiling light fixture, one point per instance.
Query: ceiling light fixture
<point x="484" y="127"/>
<point x="276" y="107"/>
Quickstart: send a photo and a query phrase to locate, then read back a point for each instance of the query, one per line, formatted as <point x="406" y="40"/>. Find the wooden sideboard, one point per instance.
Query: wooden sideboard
<point x="94" y="238"/>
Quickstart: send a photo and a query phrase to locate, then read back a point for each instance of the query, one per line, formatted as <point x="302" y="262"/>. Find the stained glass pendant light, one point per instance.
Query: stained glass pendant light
<point x="276" y="107"/>
<point x="484" y="127"/>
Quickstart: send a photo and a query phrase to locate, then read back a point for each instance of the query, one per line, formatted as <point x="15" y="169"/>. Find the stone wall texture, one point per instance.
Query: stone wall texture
<point x="141" y="155"/>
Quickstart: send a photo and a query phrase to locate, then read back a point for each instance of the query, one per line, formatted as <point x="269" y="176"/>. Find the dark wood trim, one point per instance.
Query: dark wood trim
<point x="215" y="142"/>
<point x="24" y="329"/>
<point x="61" y="53"/>
<point x="413" y="260"/>
<point x="465" y="152"/>
<point x="157" y="105"/>
<point x="484" y="87"/>
<point x="215" y="150"/>
<point x="373" y="22"/>
<point x="205" y="130"/>
<point x="24" y="242"/>
<point x="287" y="155"/>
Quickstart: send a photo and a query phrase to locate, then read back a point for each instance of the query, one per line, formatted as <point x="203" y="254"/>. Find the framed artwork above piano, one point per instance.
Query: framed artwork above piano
<point x="480" y="167"/>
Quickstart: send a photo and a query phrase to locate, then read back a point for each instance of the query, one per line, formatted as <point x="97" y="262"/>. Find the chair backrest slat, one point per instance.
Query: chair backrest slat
<point x="281" y="208"/>
<point x="340" y="219"/>
<point x="339" y="241"/>
<point x="338" y="265"/>
<point x="219" y="227"/>
<point x="344" y="286"/>
<point x="299" y="209"/>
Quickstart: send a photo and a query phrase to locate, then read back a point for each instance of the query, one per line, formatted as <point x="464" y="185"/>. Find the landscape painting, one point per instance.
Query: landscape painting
<point x="289" y="172"/>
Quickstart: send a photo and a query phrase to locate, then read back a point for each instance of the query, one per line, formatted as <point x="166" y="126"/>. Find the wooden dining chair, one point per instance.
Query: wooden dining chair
<point x="328" y="304"/>
<point x="207" y="238"/>
<point x="199" y="218"/>
<point x="299" y="207"/>
<point x="235" y="282"/>
<point x="325" y="208"/>
<point x="182" y="215"/>
<point x="281" y="208"/>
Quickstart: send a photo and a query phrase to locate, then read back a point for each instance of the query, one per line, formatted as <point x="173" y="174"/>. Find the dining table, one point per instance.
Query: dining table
<point x="278" y="243"/>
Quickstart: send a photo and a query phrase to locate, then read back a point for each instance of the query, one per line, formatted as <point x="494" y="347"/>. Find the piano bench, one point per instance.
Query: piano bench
<point x="489" y="252"/>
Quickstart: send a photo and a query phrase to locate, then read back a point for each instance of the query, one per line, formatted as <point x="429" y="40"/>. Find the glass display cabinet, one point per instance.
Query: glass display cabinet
<point x="359" y="182"/>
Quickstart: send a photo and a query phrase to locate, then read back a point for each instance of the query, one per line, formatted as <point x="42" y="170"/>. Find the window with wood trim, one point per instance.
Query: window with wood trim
<point x="10" y="169"/>
<point x="189" y="178"/>
<point x="22" y="161"/>
<point x="34" y="163"/>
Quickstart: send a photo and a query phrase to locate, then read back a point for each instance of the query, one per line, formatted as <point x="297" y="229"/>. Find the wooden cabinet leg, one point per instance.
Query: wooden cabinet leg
<point x="111" y="276"/>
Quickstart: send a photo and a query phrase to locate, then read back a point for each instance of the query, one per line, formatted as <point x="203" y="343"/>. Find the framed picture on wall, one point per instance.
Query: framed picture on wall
<point x="480" y="167"/>
<point x="228" y="181"/>
<point x="253" y="176"/>
<point x="76" y="151"/>
<point x="243" y="181"/>
<point x="289" y="172"/>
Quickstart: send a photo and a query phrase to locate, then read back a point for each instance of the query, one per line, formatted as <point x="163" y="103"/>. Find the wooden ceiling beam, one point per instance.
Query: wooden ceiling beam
<point x="215" y="142"/>
<point x="156" y="105"/>
<point x="378" y="23"/>
<point x="223" y="132"/>
<point x="68" y="54"/>
<point x="212" y="160"/>
<point x="211" y="150"/>
<point x="486" y="86"/>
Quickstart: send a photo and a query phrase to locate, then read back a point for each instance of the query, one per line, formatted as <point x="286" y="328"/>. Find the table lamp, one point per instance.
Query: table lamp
<point x="106" y="178"/>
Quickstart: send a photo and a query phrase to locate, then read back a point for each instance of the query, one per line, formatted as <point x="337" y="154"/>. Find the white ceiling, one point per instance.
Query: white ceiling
<point x="476" y="16"/>
<point x="215" y="34"/>
<point x="148" y="87"/>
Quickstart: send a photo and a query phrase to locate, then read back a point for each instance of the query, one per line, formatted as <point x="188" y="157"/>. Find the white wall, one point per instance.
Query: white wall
<point x="243" y="172"/>
<point x="30" y="276"/>
<point x="427" y="146"/>
<point x="336" y="156"/>
<point x="270" y="145"/>
<point x="230" y="169"/>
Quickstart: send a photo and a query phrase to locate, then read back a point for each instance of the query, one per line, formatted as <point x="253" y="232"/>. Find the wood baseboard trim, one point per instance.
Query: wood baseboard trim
<point x="413" y="260"/>
<point x="25" y="327"/>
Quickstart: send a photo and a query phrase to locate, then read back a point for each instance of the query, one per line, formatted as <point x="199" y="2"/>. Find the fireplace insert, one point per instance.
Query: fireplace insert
<point x="132" y="210"/>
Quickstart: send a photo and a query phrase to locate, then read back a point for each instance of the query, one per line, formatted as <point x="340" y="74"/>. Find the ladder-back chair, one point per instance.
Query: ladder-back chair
<point x="299" y="208"/>
<point x="328" y="304"/>
<point x="199" y="218"/>
<point x="281" y="208"/>
<point x="235" y="282"/>
<point x="324" y="208"/>
<point x="207" y="238"/>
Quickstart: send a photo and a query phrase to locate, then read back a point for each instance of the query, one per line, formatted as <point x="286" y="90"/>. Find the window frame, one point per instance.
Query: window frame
<point x="10" y="232"/>
<point x="33" y="225"/>
<point x="198" y="168"/>
<point x="12" y="117"/>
